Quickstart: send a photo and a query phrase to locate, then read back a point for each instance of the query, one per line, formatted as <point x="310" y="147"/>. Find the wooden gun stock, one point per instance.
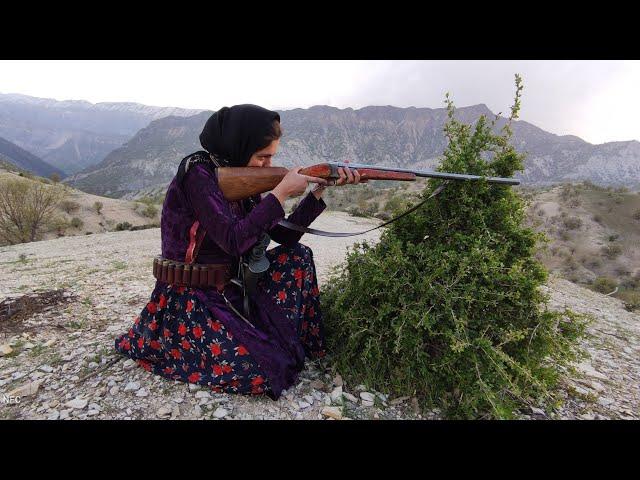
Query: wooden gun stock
<point x="237" y="183"/>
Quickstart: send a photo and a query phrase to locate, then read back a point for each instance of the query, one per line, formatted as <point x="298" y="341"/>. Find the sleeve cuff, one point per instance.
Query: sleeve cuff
<point x="313" y="205"/>
<point x="268" y="212"/>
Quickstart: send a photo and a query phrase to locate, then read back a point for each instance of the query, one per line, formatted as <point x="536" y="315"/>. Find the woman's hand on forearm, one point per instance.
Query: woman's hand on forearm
<point x="294" y="184"/>
<point x="346" y="176"/>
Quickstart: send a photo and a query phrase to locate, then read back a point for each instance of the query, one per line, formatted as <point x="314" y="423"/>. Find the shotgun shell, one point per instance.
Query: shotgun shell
<point x="163" y="273"/>
<point x="170" y="273"/>
<point x="186" y="275"/>
<point x="195" y="276"/>
<point x="177" y="276"/>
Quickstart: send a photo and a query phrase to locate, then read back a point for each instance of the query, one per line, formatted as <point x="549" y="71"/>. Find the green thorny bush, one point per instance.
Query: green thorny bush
<point x="447" y="306"/>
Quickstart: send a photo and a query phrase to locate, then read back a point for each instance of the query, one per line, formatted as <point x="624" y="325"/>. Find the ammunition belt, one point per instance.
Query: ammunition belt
<point x="204" y="275"/>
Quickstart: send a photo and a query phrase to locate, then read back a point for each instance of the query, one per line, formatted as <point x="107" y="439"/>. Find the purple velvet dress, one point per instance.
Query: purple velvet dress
<point x="190" y="334"/>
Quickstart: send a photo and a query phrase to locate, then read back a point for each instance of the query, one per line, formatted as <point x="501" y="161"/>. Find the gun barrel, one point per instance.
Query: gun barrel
<point x="433" y="174"/>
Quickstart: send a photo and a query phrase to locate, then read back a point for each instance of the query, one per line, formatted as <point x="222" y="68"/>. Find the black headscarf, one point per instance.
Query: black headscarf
<point x="232" y="136"/>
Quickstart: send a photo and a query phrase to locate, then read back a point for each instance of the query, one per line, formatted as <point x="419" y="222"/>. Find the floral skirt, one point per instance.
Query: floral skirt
<point x="176" y="335"/>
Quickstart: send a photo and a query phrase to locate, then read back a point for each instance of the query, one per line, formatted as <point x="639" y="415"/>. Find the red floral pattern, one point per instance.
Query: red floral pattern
<point x="176" y="336"/>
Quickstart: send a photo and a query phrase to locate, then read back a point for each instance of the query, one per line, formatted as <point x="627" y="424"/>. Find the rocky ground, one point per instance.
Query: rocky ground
<point x="74" y="295"/>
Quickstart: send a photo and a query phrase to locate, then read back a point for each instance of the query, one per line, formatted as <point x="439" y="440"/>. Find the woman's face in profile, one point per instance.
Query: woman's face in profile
<point x="262" y="158"/>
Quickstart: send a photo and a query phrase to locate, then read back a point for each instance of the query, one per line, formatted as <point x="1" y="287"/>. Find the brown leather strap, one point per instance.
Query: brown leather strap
<point x="208" y="275"/>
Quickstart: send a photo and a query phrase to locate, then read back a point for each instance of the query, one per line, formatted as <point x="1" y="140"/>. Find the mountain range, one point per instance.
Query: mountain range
<point x="378" y="135"/>
<point x="18" y="157"/>
<point x="75" y="134"/>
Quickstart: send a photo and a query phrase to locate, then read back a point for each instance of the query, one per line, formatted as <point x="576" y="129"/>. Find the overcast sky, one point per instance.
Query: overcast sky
<point x="598" y="101"/>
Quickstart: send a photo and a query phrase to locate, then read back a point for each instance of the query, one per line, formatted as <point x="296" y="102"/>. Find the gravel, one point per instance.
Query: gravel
<point x="72" y="342"/>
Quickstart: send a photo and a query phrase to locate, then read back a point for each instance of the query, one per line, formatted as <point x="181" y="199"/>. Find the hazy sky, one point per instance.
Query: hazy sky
<point x="596" y="100"/>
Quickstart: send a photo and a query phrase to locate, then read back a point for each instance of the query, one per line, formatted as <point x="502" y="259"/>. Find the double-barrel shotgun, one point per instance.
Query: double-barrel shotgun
<point x="237" y="183"/>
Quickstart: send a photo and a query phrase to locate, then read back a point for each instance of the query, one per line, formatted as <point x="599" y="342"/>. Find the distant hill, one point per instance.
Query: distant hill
<point x="18" y="157"/>
<point x="149" y="159"/>
<point x="76" y="215"/>
<point x="72" y="135"/>
<point x="379" y="135"/>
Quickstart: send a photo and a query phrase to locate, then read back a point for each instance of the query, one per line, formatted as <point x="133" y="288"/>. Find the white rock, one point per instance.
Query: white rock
<point x="94" y="406"/>
<point x="114" y="390"/>
<point x="26" y="390"/>
<point x="203" y="394"/>
<point x="220" y="412"/>
<point x="77" y="403"/>
<point x="304" y="404"/>
<point x="580" y="390"/>
<point x="175" y="411"/>
<point x="366" y="403"/>
<point x="598" y="387"/>
<point x="129" y="364"/>
<point x="349" y="397"/>
<point x="336" y="394"/>
<point x="93" y="365"/>
<point x="48" y="343"/>
<point x="65" y="414"/>
<point x="588" y="369"/>
<point x="163" y="412"/>
<point x="337" y="381"/>
<point x="91" y="413"/>
<point x="28" y="346"/>
<point x="604" y="401"/>
<point x="46" y="368"/>
<point x="131" y="386"/>
<point x="308" y="398"/>
<point x="5" y="350"/>
<point x="382" y="396"/>
<point x="368" y="397"/>
<point x="142" y="392"/>
<point x="332" y="412"/>
<point x="193" y="387"/>
<point x="54" y="415"/>
<point x="177" y="400"/>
